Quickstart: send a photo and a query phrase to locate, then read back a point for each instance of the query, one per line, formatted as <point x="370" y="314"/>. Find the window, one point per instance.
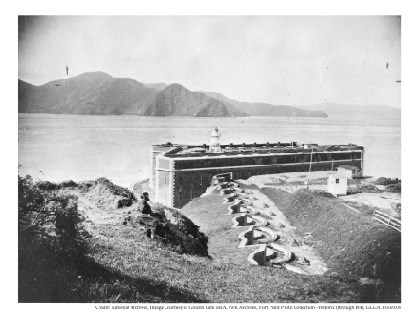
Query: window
<point x="337" y="181"/>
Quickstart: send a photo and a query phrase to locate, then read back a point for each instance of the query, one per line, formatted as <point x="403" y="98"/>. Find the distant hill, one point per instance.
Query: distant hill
<point x="176" y="100"/>
<point x="100" y="93"/>
<point x="265" y="109"/>
<point x="88" y="93"/>
<point x="334" y="109"/>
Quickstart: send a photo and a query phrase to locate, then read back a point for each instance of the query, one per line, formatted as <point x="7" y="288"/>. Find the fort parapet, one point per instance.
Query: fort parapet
<point x="181" y="172"/>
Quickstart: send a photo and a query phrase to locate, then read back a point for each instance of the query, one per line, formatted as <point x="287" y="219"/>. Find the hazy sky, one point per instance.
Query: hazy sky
<point x="275" y="59"/>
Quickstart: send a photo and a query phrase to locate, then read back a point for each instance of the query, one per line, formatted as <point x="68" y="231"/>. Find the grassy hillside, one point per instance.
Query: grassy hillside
<point x="120" y="264"/>
<point x="74" y="262"/>
<point x="353" y="245"/>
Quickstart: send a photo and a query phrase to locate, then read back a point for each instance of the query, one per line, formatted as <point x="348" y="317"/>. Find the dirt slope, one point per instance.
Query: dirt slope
<point x="353" y="245"/>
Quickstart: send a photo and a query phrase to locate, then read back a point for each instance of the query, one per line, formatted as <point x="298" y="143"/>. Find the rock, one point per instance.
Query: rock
<point x="272" y="214"/>
<point x="265" y="205"/>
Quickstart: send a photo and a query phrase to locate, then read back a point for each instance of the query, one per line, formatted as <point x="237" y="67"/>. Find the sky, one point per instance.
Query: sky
<point x="294" y="60"/>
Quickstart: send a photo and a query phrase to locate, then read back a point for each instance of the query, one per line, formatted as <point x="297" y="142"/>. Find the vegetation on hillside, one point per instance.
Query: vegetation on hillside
<point x="353" y="245"/>
<point x="177" y="230"/>
<point x="74" y="247"/>
<point x="52" y="243"/>
<point x="59" y="260"/>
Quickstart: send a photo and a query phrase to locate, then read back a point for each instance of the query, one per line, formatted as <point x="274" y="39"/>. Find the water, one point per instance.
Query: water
<point x="61" y="147"/>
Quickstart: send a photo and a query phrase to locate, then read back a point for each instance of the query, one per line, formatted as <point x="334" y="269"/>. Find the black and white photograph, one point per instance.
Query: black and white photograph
<point x="195" y="159"/>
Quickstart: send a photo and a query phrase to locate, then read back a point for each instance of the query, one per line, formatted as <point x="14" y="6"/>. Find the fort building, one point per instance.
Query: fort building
<point x="182" y="172"/>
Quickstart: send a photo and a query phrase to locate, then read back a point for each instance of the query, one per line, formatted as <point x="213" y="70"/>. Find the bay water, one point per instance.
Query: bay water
<point x="78" y="147"/>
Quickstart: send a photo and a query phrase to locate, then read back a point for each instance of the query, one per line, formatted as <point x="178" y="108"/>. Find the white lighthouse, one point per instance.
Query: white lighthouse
<point x="214" y="146"/>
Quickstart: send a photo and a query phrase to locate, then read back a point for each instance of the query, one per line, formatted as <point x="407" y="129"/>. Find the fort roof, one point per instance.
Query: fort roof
<point x="254" y="149"/>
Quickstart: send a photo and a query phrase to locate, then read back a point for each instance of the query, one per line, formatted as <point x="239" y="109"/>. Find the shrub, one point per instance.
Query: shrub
<point x="68" y="184"/>
<point x="51" y="242"/>
<point x="368" y="188"/>
<point x="46" y="185"/>
<point x="386" y="181"/>
<point x="393" y="188"/>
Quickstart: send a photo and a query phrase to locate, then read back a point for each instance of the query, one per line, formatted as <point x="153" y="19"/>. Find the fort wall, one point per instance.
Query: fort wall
<point x="193" y="183"/>
<point x="180" y="179"/>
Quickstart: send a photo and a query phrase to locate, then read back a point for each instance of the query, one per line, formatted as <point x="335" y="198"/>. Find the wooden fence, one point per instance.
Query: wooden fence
<point x="387" y="220"/>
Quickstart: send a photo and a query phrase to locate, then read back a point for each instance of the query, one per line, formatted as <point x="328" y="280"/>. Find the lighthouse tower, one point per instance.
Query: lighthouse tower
<point x="214" y="146"/>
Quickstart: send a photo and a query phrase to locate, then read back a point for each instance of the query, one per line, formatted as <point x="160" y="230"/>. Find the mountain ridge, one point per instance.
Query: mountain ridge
<point x="98" y="93"/>
<point x="176" y="100"/>
<point x="93" y="93"/>
<point x="362" y="110"/>
<point x="267" y="109"/>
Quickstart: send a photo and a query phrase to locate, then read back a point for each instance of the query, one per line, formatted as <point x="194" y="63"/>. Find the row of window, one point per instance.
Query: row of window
<point x="265" y="160"/>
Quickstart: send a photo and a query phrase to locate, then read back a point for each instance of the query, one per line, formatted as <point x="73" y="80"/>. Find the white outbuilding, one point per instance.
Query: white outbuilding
<point x="350" y="171"/>
<point x="337" y="184"/>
